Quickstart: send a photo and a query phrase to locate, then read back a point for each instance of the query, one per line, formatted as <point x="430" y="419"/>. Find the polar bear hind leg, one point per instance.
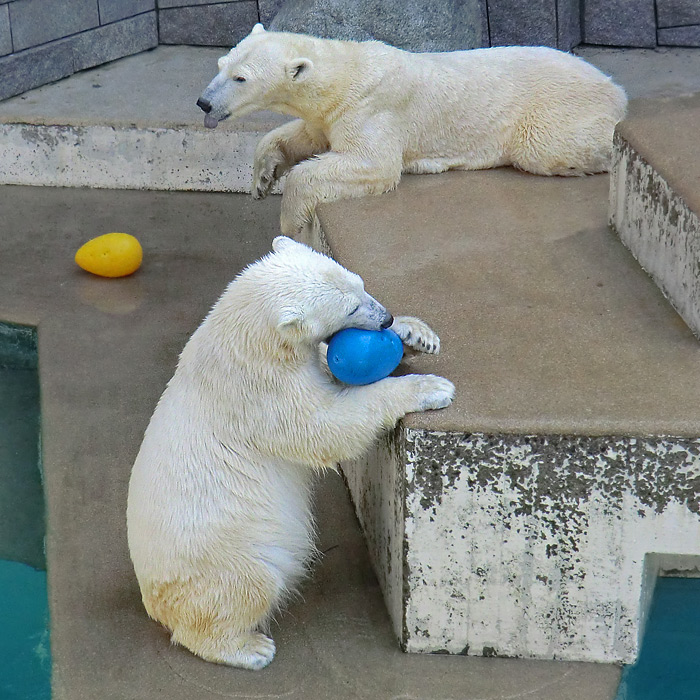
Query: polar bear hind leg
<point x="567" y="147"/>
<point x="219" y="624"/>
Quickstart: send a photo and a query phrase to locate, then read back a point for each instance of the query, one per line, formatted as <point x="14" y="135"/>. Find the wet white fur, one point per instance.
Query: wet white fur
<point x="368" y="112"/>
<point x="219" y="520"/>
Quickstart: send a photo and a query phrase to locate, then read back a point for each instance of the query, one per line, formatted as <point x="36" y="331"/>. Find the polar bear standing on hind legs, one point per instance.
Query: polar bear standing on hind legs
<point x="368" y="112"/>
<point x="219" y="516"/>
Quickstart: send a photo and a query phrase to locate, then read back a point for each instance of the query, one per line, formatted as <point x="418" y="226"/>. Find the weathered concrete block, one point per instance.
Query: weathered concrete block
<point x="268" y="9"/>
<point x="658" y="227"/>
<point x="208" y="25"/>
<point x="619" y="22"/>
<point x="5" y="34"/>
<point x="28" y="69"/>
<point x="569" y="32"/>
<point x="36" y="22"/>
<point x="114" y="10"/>
<point x="115" y="40"/>
<point x="677" y="13"/>
<point x="517" y="545"/>
<point x="512" y="22"/>
<point x="422" y="25"/>
<point x="679" y="36"/>
<point x="124" y="158"/>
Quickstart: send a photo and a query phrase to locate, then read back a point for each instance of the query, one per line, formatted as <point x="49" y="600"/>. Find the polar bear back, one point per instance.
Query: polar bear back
<point x="477" y="100"/>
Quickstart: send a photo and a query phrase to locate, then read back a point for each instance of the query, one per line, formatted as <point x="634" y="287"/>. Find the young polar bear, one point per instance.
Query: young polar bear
<point x="368" y="112"/>
<point x="219" y="516"/>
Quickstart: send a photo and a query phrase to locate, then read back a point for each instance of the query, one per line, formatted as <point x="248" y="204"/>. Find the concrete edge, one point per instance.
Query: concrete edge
<point x="658" y="227"/>
<point x="126" y="158"/>
<point x="677" y="178"/>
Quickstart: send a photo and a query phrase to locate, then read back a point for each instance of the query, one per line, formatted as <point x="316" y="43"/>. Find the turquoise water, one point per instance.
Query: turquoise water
<point x="668" y="667"/>
<point x="25" y="658"/>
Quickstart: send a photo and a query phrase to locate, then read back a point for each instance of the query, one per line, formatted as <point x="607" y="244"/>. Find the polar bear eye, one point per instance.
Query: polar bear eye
<point x="354" y="310"/>
<point x="239" y="79"/>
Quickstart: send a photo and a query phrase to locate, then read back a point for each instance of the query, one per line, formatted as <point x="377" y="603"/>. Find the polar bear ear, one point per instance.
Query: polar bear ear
<point x="280" y="243"/>
<point x="298" y="69"/>
<point x="290" y="321"/>
<point x="257" y="29"/>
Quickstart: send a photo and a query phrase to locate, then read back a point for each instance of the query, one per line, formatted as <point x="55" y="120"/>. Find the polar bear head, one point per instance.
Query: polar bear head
<point x="301" y="296"/>
<point x="258" y="73"/>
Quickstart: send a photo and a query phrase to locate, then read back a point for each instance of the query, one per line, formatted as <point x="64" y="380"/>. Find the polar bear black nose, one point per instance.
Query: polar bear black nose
<point x="204" y="105"/>
<point x="387" y="321"/>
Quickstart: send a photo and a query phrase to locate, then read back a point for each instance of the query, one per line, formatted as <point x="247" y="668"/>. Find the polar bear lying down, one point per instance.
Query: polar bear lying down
<point x="368" y="112"/>
<point x="219" y="519"/>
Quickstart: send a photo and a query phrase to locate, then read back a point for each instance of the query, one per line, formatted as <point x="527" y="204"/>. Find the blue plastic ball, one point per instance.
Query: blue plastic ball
<point x="357" y="356"/>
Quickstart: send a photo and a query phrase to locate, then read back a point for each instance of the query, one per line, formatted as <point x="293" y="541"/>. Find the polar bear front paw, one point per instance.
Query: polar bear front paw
<point x="266" y="172"/>
<point x="431" y="392"/>
<point x="416" y="334"/>
<point x="253" y="651"/>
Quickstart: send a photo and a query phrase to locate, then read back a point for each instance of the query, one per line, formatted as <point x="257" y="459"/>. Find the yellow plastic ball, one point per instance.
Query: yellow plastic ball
<point x="110" y="255"/>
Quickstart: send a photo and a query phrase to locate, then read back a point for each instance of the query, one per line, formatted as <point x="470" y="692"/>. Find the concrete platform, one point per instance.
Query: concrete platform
<point x="133" y="123"/>
<point x="106" y="350"/>
<point x="129" y="124"/>
<point x="655" y="198"/>
<point x="518" y="521"/>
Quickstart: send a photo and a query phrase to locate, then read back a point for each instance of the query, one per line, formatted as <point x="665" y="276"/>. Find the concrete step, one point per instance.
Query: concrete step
<point x="655" y="196"/>
<point x="133" y="123"/>
<point x="129" y="124"/>
<point x="106" y="350"/>
<point x="522" y="520"/>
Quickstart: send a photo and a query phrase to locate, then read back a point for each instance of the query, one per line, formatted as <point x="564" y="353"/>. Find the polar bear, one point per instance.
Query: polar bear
<point x="219" y="521"/>
<point x="368" y="112"/>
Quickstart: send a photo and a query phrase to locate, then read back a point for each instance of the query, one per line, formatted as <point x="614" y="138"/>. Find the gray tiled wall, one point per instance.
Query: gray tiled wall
<point x="36" y="22"/>
<point x="44" y="40"/>
<point x="211" y="24"/>
<point x="619" y="22"/>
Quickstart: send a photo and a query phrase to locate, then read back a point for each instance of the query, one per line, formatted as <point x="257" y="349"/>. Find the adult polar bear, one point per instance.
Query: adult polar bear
<point x="368" y="112"/>
<point x="219" y="515"/>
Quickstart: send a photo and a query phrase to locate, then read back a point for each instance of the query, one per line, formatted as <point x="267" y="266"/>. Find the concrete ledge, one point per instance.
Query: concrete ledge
<point x="654" y="199"/>
<point x="525" y="546"/>
<point x="521" y="520"/>
<point x="132" y="124"/>
<point x="123" y="158"/>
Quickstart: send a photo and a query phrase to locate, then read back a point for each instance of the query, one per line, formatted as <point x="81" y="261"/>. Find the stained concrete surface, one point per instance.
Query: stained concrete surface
<point x="106" y="350"/>
<point x="548" y="324"/>
<point x="154" y="89"/>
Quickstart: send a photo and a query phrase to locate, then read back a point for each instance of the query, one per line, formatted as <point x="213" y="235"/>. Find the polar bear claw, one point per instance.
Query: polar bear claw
<point x="416" y="334"/>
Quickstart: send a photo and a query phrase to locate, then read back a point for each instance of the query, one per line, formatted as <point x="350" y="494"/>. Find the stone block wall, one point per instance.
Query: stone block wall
<point x="198" y="22"/>
<point x="42" y="41"/>
<point x="642" y="23"/>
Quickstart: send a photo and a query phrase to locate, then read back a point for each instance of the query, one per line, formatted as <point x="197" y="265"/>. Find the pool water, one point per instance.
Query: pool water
<point x="25" y="657"/>
<point x="668" y="667"/>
